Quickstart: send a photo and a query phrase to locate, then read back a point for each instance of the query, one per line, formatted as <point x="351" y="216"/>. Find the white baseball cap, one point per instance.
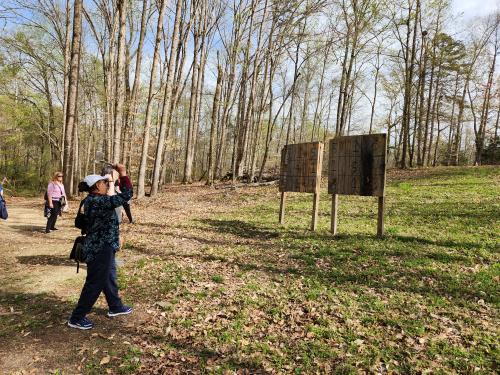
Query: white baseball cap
<point x="91" y="179"/>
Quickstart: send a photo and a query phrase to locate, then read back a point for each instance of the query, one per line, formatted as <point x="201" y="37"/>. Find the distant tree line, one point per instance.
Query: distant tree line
<point x="205" y="89"/>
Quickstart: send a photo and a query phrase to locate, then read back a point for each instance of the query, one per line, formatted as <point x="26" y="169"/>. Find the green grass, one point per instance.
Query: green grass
<point x="424" y="297"/>
<point x="217" y="279"/>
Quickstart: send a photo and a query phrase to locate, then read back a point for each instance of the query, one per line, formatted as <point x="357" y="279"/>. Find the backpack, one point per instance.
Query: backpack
<point x="77" y="253"/>
<point x="3" y="209"/>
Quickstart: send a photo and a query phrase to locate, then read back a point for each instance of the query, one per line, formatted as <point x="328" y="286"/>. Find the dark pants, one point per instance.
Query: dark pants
<point x="54" y="213"/>
<point x="101" y="277"/>
<point x="126" y="207"/>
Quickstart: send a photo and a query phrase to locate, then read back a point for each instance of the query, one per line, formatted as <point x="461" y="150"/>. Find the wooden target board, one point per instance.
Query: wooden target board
<point x="301" y="167"/>
<point x="300" y="172"/>
<point x="357" y="166"/>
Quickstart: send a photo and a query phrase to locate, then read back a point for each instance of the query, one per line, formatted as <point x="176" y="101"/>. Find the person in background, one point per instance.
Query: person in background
<point x="1" y="188"/>
<point x="55" y="196"/>
<point x="115" y="188"/>
<point x="108" y="171"/>
<point x="3" y="206"/>
<point x="2" y="183"/>
<point x="101" y="243"/>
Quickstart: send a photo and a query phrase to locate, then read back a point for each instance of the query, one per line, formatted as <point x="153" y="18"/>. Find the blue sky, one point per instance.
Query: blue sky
<point x="473" y="8"/>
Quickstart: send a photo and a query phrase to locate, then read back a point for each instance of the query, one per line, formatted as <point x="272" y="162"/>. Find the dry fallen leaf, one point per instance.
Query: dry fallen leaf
<point x="105" y="360"/>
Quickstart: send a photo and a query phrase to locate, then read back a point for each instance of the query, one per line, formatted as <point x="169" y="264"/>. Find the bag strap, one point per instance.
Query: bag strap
<point x="60" y="190"/>
<point x="81" y="204"/>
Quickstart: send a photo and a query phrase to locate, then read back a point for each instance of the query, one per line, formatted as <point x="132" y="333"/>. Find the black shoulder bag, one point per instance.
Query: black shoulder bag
<point x="81" y="222"/>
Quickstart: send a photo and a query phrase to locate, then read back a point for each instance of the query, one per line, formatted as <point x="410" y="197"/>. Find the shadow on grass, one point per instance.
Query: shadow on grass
<point x="241" y="229"/>
<point x="388" y="263"/>
<point x="39" y="314"/>
<point x="36" y="323"/>
<point x="236" y="227"/>
<point x="29" y="228"/>
<point x="190" y="348"/>
<point x="248" y="230"/>
<point x="47" y="260"/>
<point x="411" y="264"/>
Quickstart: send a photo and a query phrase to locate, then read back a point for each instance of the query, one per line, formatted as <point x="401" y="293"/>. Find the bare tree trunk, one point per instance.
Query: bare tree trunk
<point x="339" y="127"/>
<point x="149" y="103"/>
<point x="213" y="125"/>
<point x="316" y="118"/>
<point x="231" y="89"/>
<point x="423" y="70"/>
<point x="132" y="105"/>
<point x="166" y="100"/>
<point x="378" y="66"/>
<point x="67" y="56"/>
<point x="305" y="105"/>
<point x="242" y="122"/>
<point x="271" y="99"/>
<point x="327" y="122"/>
<point x="480" y="134"/>
<point x="120" y="82"/>
<point x="458" y="134"/>
<point x="452" y="125"/>
<point x="409" y="63"/>
<point x="439" y="130"/>
<point x="193" y="105"/>
<point x="71" y="114"/>
<point x="429" y="102"/>
<point x="437" y="93"/>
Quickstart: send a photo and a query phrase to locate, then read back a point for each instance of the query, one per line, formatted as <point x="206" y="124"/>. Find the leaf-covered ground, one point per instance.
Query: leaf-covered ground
<point x="219" y="286"/>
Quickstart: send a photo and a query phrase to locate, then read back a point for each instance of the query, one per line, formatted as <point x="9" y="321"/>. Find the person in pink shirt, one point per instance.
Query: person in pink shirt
<point x="56" y="198"/>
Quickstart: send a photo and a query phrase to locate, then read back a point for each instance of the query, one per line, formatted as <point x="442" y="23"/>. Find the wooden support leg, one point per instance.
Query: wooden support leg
<point x="314" y="223"/>
<point x="335" y="201"/>
<point x="380" y="219"/>
<point x="282" y="208"/>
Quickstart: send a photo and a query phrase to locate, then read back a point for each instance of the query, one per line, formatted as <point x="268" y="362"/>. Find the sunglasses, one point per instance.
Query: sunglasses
<point x="60" y="175"/>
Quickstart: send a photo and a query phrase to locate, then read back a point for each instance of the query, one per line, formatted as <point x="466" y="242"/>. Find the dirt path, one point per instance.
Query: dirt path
<point x="38" y="289"/>
<point x="32" y="261"/>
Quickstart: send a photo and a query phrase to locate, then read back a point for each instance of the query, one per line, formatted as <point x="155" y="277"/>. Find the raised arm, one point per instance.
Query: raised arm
<point x="106" y="202"/>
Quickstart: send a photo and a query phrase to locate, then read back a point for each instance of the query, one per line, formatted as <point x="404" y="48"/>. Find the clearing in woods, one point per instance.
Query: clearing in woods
<point x="217" y="284"/>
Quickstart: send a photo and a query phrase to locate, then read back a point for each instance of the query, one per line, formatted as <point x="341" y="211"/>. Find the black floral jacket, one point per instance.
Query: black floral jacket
<point x="104" y="229"/>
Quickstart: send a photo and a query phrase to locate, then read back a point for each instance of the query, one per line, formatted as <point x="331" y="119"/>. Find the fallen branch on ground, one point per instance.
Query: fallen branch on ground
<point x="256" y="184"/>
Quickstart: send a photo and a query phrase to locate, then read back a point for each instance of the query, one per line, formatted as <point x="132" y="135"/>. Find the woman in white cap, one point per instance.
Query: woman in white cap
<point x="101" y="243"/>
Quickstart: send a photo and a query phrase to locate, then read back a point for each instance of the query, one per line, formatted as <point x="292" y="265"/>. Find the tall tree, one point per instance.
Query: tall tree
<point x="166" y="100"/>
<point x="71" y="110"/>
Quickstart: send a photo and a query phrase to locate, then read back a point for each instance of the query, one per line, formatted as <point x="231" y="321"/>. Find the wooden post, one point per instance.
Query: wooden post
<point x="335" y="205"/>
<point x="314" y="223"/>
<point x="282" y="208"/>
<point x="380" y="219"/>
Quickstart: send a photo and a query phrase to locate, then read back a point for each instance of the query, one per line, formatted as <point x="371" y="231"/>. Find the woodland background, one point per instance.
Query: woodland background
<point x="189" y="90"/>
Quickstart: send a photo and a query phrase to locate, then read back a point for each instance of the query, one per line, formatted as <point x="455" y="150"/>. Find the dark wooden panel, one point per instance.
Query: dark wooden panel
<point x="301" y="167"/>
<point x="357" y="165"/>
